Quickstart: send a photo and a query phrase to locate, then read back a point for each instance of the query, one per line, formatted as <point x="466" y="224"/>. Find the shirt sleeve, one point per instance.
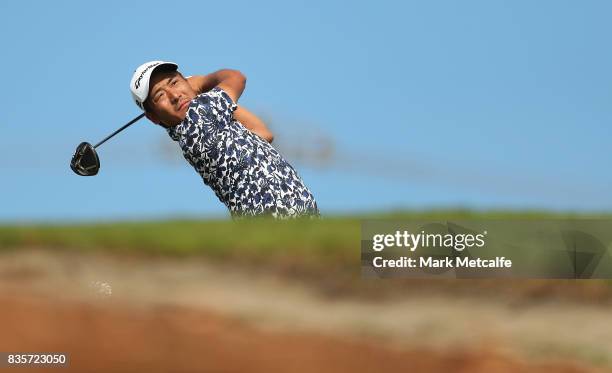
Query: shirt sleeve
<point x="217" y="105"/>
<point x="205" y="120"/>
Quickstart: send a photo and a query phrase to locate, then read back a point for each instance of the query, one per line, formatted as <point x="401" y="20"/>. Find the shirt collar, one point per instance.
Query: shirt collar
<point x="180" y="129"/>
<point x="177" y="131"/>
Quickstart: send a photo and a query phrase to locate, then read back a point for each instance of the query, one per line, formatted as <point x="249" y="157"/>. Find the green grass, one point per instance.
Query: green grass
<point x="327" y="240"/>
<point x="334" y="240"/>
<point x="327" y="250"/>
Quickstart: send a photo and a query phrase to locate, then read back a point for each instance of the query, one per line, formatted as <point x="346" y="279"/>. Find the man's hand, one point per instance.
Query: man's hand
<point x="231" y="81"/>
<point x="251" y="122"/>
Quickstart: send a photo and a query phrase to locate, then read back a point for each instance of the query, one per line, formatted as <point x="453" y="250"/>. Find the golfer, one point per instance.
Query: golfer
<point x="227" y="145"/>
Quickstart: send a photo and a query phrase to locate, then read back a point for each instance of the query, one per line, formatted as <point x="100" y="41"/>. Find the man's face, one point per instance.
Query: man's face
<point x="169" y="96"/>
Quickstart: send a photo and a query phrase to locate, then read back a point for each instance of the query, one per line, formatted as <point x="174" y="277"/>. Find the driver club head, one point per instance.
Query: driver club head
<point x="85" y="161"/>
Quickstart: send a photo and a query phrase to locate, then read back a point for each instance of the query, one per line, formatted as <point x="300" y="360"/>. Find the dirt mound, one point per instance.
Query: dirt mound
<point x="105" y="336"/>
<point x="118" y="313"/>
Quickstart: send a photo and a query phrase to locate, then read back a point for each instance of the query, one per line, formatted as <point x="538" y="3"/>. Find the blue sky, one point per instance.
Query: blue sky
<point x="379" y="105"/>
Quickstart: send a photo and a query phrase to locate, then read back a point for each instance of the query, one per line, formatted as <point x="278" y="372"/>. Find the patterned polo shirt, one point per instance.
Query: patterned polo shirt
<point x="246" y="173"/>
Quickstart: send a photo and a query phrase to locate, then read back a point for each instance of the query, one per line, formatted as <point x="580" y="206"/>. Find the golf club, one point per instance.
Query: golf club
<point x="85" y="161"/>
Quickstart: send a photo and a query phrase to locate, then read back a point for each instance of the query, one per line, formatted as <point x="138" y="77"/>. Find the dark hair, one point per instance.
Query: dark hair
<point x="146" y="106"/>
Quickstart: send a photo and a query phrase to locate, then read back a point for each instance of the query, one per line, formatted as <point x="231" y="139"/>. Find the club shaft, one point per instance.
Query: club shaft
<point x="120" y="129"/>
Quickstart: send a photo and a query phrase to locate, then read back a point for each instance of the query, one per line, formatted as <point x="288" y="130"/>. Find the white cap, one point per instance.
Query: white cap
<point x="139" y="85"/>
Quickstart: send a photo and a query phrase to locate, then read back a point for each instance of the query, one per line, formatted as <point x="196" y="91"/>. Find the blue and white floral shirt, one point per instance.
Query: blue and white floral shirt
<point x="246" y="173"/>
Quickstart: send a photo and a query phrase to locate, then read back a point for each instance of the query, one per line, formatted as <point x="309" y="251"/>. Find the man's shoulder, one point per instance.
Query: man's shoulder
<point x="216" y="97"/>
<point x="215" y="104"/>
<point x="214" y="107"/>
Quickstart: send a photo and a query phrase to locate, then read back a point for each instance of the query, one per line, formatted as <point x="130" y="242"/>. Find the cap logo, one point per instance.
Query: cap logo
<point x="137" y="83"/>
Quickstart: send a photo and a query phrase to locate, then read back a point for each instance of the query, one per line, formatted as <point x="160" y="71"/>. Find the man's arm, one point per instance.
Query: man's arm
<point x="231" y="81"/>
<point x="251" y="122"/>
<point x="204" y="83"/>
